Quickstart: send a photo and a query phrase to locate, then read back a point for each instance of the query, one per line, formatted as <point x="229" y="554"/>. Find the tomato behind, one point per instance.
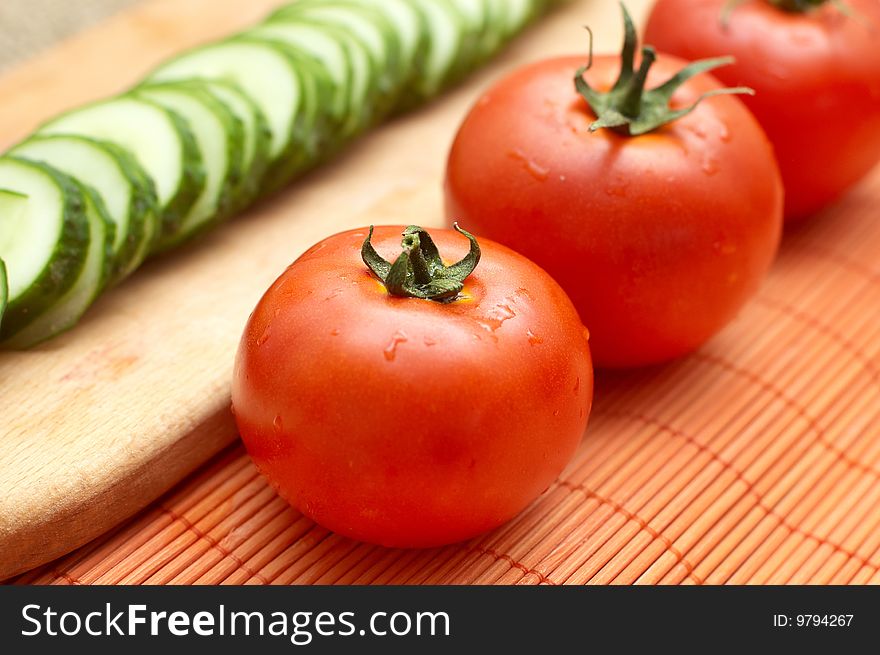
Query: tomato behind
<point x="816" y="77"/>
<point x="658" y="239"/>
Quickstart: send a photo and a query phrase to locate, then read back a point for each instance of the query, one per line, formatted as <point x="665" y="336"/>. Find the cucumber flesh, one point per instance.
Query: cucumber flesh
<point x="363" y="75"/>
<point x="160" y="140"/>
<point x="69" y="308"/>
<point x="255" y="152"/>
<point x="445" y="41"/>
<point x="341" y="114"/>
<point x="128" y="203"/>
<point x="265" y="73"/>
<point x="315" y="126"/>
<point x="402" y="17"/>
<point x="316" y="43"/>
<point x="518" y="14"/>
<point x="368" y="26"/>
<point x="44" y="238"/>
<point x="219" y="137"/>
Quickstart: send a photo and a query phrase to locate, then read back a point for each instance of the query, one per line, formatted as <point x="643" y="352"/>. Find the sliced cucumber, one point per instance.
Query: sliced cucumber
<point x="496" y="26"/>
<point x="4" y="291"/>
<point x="316" y="126"/>
<point x="266" y="73"/>
<point x="130" y="204"/>
<point x="474" y="17"/>
<point x="446" y="34"/>
<point x="160" y="140"/>
<point x="363" y="81"/>
<point x="67" y="310"/>
<point x="44" y="238"/>
<point x="318" y="44"/>
<point x="220" y="139"/>
<point x="371" y="28"/>
<point x="518" y="13"/>
<point x="406" y="21"/>
<point x="257" y="136"/>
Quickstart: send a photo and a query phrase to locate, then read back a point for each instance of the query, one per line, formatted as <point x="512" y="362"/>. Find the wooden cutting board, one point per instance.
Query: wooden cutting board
<point x="99" y="422"/>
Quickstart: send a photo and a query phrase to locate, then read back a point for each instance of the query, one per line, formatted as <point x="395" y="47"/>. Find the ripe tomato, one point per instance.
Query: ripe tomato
<point x="657" y="238"/>
<point x="817" y="80"/>
<point x="408" y="422"/>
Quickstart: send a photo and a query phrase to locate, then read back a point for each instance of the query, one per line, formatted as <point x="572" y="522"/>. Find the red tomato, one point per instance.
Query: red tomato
<point x="408" y="422"/>
<point x="658" y="239"/>
<point x="816" y="77"/>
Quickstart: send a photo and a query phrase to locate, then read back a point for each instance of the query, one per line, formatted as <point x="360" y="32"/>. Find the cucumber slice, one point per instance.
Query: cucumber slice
<point x="316" y="126"/>
<point x="257" y="135"/>
<point x="220" y="139"/>
<point x="474" y="18"/>
<point x="4" y="291"/>
<point x="518" y="14"/>
<point x="403" y="18"/>
<point x="330" y="52"/>
<point x="371" y="28"/>
<point x="445" y="40"/>
<point x="496" y="26"/>
<point x="69" y="308"/>
<point x="363" y="80"/>
<point x="44" y="238"/>
<point x="265" y="72"/>
<point x="316" y="43"/>
<point x="130" y="204"/>
<point x="160" y="140"/>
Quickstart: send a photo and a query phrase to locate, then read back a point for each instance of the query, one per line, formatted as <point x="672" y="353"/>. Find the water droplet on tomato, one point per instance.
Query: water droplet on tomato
<point x="496" y="317"/>
<point x="709" y="166"/>
<point x="535" y="169"/>
<point x="430" y="342"/>
<point x="698" y="131"/>
<point x="577" y="384"/>
<point x="724" y="248"/>
<point x="263" y="338"/>
<point x="586" y="334"/>
<point x="724" y="133"/>
<point x="534" y="339"/>
<point x="334" y="332"/>
<point x="397" y="338"/>
<point x="618" y="190"/>
<point x="278" y="425"/>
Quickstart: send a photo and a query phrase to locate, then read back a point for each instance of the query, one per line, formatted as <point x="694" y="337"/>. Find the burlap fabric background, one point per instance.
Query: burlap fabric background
<point x="29" y="26"/>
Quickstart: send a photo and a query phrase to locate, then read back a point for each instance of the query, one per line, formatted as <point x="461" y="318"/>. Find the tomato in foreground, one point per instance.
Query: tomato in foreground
<point x="417" y="419"/>
<point x="659" y="211"/>
<point x="815" y="67"/>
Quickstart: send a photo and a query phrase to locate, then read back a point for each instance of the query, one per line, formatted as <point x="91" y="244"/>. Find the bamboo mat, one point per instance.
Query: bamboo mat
<point x="755" y="460"/>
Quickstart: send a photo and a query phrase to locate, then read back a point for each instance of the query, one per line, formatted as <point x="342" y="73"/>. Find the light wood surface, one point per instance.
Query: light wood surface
<point x="99" y="422"/>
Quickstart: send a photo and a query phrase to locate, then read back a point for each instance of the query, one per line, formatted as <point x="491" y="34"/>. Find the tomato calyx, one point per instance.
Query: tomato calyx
<point x="419" y="272"/>
<point x="794" y="7"/>
<point x="797" y="6"/>
<point x="630" y="109"/>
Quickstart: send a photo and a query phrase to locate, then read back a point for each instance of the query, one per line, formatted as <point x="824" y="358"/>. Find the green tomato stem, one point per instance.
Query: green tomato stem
<point x="631" y="109"/>
<point x="419" y="272"/>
